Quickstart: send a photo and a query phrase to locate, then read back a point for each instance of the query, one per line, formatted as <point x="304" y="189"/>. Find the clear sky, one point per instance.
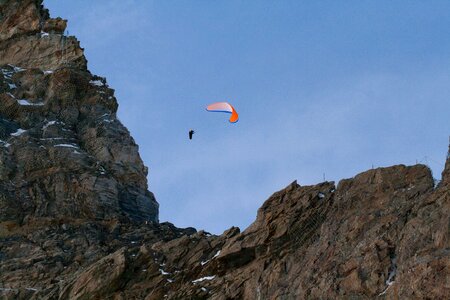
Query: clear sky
<point x="328" y="87"/>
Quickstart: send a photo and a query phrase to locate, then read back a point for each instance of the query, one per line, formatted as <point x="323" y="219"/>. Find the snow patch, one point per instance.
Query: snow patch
<point x="18" y="132"/>
<point x="50" y="123"/>
<point x="384" y="292"/>
<point x="44" y="34"/>
<point x="26" y="102"/>
<point x="206" y="261"/>
<point x="393" y="272"/>
<point x="391" y="275"/>
<point x="16" y="69"/>
<point x="12" y="86"/>
<point x="52" y="139"/>
<point x="4" y="144"/>
<point x="97" y="82"/>
<point x="204" y="278"/>
<point x="163" y="272"/>
<point x="48" y="72"/>
<point x="67" y="146"/>
<point x="202" y="263"/>
<point x="321" y="195"/>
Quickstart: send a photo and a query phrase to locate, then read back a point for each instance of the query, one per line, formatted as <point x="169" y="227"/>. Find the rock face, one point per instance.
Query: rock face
<point x="64" y="153"/>
<point x="77" y="220"/>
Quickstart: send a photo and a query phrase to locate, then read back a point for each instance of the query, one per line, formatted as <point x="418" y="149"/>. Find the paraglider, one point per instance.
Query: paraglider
<point x="220" y="107"/>
<point x="226" y="108"/>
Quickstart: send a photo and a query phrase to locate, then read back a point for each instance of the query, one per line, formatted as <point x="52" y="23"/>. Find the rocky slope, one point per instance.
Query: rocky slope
<point x="77" y="220"/>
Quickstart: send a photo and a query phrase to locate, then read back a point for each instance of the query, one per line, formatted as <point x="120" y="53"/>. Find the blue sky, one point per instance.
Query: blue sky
<point x="328" y="87"/>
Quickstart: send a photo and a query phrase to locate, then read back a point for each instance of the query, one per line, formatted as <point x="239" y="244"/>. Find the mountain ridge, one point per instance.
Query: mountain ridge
<point x="77" y="220"/>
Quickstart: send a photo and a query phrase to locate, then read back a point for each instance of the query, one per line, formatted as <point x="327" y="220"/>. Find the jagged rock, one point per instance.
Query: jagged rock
<point x="57" y="25"/>
<point x="78" y="222"/>
<point x="65" y="153"/>
<point x="20" y="18"/>
<point x="424" y="249"/>
<point x="30" y="39"/>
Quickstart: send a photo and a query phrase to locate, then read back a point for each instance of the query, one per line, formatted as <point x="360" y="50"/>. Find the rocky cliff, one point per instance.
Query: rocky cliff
<point x="77" y="220"/>
<point x="64" y="153"/>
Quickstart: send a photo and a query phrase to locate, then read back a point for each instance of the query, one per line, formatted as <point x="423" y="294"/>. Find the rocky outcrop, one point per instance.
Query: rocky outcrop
<point x="30" y="39"/>
<point x="78" y="222"/>
<point x="64" y="152"/>
<point x="382" y="234"/>
<point x="424" y="249"/>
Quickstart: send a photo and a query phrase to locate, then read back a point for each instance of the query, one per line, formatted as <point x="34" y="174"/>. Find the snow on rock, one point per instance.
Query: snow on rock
<point x="50" y="123"/>
<point x="16" y="69"/>
<point x="204" y="278"/>
<point x="48" y="72"/>
<point x="106" y="118"/>
<point x="67" y="145"/>
<point x="26" y="102"/>
<point x="163" y="272"/>
<point x="391" y="275"/>
<point x="206" y="261"/>
<point x="53" y="139"/>
<point x="97" y="82"/>
<point x="12" y="86"/>
<point x="4" y="144"/>
<point x="18" y="132"/>
<point x="393" y="272"/>
<point x="384" y="292"/>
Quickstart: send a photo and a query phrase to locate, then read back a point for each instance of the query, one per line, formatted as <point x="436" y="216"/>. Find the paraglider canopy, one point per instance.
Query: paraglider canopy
<point x="226" y="108"/>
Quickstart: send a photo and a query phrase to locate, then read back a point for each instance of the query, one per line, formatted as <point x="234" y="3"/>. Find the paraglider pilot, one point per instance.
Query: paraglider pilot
<point x="191" y="133"/>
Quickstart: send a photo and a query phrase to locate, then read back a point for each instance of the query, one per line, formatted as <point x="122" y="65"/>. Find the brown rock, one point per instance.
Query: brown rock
<point x="78" y="222"/>
<point x="103" y="277"/>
